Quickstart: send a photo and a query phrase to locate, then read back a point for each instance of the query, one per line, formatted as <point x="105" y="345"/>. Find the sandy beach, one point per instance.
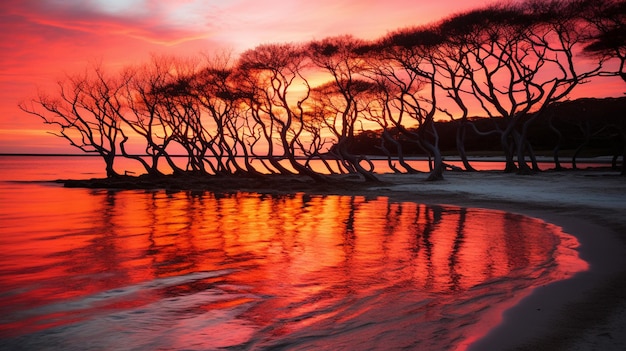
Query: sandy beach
<point x="586" y="312"/>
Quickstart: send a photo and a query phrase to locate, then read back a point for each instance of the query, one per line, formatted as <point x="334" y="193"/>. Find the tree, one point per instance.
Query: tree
<point x="87" y="111"/>
<point x="340" y="97"/>
<point x="519" y="59"/>
<point x="408" y="63"/>
<point x="608" y="40"/>
<point x="145" y="115"/>
<point x="214" y="88"/>
<point x="273" y="77"/>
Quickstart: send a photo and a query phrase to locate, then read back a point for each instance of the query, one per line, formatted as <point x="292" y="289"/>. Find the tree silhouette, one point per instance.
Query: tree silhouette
<point x="407" y="63"/>
<point x="340" y="99"/>
<point x="272" y="71"/>
<point x="258" y="113"/>
<point x="87" y="112"/>
<point x="608" y="41"/>
<point x="215" y="91"/>
<point x="145" y="115"/>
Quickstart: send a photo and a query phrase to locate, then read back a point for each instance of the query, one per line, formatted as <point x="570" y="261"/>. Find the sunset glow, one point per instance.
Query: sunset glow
<point x="41" y="41"/>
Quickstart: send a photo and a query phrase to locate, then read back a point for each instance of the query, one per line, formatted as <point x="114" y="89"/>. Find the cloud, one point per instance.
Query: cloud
<point x="152" y="21"/>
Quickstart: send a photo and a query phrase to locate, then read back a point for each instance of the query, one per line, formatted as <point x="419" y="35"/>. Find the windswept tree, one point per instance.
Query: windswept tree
<point x="145" y="115"/>
<point x="277" y="90"/>
<point x="340" y="99"/>
<point x="608" y="42"/>
<point x="450" y="61"/>
<point x="382" y="95"/>
<point x="519" y="58"/>
<point x="407" y="61"/>
<point x="182" y="114"/>
<point x="86" y="111"/>
<point x="215" y="90"/>
<point x="488" y="41"/>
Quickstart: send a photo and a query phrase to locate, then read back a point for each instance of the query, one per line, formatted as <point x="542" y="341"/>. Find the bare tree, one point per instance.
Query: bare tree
<point x="408" y="63"/>
<point x="145" y="115"/>
<point x="450" y="61"/>
<point x="340" y="98"/>
<point x="608" y="41"/>
<point x="183" y="115"/>
<point x="86" y="111"/>
<point x="519" y="59"/>
<point x="279" y="90"/>
<point x="215" y="91"/>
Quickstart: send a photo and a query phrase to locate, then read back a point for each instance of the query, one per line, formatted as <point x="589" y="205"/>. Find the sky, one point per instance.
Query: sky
<point x="41" y="41"/>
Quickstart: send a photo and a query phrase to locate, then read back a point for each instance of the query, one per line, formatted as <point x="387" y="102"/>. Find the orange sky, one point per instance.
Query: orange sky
<point x="41" y="40"/>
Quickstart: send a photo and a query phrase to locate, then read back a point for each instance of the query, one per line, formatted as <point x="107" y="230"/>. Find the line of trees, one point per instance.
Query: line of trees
<point x="266" y="112"/>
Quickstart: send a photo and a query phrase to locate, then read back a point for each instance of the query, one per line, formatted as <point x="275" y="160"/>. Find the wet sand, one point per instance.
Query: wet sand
<point x="586" y="312"/>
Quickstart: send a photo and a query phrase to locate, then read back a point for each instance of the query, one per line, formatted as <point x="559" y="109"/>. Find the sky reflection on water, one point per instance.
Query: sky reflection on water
<point x="157" y="270"/>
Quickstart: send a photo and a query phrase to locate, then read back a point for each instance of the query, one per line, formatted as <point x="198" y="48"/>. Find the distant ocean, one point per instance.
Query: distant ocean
<point x="84" y="167"/>
<point x="97" y="269"/>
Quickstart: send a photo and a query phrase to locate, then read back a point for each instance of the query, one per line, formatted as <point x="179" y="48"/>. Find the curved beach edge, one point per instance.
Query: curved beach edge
<point x="585" y="312"/>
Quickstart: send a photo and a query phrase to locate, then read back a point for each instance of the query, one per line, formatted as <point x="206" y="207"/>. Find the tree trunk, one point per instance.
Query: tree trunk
<point x="520" y="146"/>
<point x="390" y="162"/>
<point x="460" y="146"/>
<point x="108" y="159"/>
<point x="150" y="169"/>
<point x="354" y="162"/>
<point x="509" y="166"/>
<point x="400" y="151"/>
<point x="302" y="170"/>
<point x="557" y="148"/>
<point x="437" y="166"/>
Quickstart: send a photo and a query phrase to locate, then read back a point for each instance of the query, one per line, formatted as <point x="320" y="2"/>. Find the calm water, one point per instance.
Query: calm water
<point x="149" y="270"/>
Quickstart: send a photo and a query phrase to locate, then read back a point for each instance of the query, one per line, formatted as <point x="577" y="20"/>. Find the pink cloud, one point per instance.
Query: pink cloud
<point x="151" y="23"/>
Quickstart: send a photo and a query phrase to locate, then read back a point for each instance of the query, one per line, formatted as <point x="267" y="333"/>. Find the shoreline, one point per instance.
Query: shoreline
<point x="584" y="312"/>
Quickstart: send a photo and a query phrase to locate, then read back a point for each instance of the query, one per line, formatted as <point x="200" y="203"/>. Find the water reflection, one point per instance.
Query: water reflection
<point x="157" y="270"/>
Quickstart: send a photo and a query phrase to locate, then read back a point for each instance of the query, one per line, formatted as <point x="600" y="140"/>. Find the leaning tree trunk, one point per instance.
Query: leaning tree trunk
<point x="509" y="166"/>
<point x="302" y="170"/>
<point x="354" y="162"/>
<point x="400" y="152"/>
<point x="460" y="146"/>
<point x="108" y="160"/>
<point x="524" y="146"/>
<point x="520" y="148"/>
<point x="150" y="169"/>
<point x="557" y="147"/>
<point x="437" y="169"/>
<point x="387" y="153"/>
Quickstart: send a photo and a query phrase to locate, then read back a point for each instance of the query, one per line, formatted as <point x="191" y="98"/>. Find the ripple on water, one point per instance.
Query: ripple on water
<point x="156" y="270"/>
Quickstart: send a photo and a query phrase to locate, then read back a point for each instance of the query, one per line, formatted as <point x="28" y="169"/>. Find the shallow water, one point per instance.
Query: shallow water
<point x="145" y="270"/>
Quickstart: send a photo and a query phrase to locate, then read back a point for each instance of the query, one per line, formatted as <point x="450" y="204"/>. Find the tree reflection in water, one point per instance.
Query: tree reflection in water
<point x="252" y="271"/>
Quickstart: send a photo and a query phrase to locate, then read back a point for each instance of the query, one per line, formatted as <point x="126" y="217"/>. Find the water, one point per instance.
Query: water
<point x="149" y="270"/>
<point x="84" y="167"/>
